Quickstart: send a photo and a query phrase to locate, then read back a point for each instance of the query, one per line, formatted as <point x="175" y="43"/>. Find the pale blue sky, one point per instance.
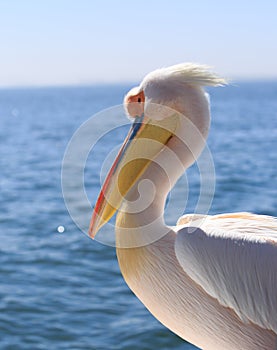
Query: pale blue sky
<point x="84" y="41"/>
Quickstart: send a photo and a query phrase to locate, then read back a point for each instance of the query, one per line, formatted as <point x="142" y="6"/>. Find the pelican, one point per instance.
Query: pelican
<point x="212" y="280"/>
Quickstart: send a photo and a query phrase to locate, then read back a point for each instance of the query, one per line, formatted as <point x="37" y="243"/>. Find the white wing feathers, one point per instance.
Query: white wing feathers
<point x="233" y="257"/>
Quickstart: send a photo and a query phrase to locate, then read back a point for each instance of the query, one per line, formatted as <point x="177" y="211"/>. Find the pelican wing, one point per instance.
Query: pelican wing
<point x="233" y="257"/>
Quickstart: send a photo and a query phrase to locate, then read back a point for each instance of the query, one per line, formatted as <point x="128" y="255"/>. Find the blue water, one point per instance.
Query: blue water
<point x="65" y="291"/>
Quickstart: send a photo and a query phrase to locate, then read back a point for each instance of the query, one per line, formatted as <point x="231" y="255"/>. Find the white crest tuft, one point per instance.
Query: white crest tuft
<point x="184" y="73"/>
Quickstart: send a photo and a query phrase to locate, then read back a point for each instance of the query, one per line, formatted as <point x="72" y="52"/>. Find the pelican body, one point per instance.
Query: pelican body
<point x="210" y="279"/>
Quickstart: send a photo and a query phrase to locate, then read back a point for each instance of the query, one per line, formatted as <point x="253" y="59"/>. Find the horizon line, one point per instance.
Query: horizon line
<point x="119" y="83"/>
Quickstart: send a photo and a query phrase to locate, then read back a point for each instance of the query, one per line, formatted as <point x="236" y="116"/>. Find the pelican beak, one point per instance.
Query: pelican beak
<point x="144" y="141"/>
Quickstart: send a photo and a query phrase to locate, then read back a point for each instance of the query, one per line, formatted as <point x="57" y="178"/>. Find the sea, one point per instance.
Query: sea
<point x="62" y="290"/>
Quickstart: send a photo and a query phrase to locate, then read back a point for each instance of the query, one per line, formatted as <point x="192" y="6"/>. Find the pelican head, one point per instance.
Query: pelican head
<point x="170" y="110"/>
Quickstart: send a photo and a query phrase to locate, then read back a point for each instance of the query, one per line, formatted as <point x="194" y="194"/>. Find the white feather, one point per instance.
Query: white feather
<point x="184" y="73"/>
<point x="233" y="257"/>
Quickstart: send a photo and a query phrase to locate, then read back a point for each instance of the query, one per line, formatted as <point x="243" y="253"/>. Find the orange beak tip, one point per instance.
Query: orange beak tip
<point x="91" y="230"/>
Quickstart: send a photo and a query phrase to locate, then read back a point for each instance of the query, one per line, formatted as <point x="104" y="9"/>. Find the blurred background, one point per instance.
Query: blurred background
<point x="63" y="61"/>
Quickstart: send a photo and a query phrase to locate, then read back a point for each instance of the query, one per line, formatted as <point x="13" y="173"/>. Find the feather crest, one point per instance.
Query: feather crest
<point x="184" y="73"/>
